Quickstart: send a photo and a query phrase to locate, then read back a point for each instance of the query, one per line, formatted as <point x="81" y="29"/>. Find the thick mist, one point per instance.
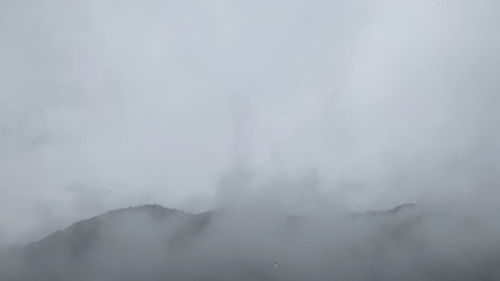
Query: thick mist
<point x="309" y="108"/>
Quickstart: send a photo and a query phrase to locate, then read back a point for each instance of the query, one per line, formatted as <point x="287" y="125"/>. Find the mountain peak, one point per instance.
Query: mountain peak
<point x="155" y="210"/>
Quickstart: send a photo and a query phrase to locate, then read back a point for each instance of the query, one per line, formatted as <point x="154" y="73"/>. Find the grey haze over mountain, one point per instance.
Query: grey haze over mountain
<point x="153" y="243"/>
<point x="272" y="109"/>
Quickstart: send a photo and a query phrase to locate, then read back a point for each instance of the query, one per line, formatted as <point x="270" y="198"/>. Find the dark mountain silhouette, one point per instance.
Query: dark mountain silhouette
<point x="68" y="254"/>
<point x="155" y="243"/>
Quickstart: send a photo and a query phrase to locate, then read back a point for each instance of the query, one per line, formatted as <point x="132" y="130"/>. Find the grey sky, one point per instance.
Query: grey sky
<point x="191" y="104"/>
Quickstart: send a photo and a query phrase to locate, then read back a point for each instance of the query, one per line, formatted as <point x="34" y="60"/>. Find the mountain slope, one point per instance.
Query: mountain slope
<point x="154" y="243"/>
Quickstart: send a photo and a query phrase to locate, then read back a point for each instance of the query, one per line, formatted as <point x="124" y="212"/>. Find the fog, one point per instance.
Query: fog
<point x="308" y="108"/>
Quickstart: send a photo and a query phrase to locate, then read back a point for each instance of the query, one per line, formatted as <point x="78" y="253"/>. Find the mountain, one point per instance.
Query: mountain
<point x="93" y="245"/>
<point x="151" y="242"/>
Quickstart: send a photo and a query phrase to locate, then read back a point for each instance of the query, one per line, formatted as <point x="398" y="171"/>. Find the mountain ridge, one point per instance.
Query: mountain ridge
<point x="151" y="242"/>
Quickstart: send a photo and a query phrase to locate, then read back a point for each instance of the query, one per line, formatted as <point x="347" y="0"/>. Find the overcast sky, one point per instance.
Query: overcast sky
<point x="197" y="104"/>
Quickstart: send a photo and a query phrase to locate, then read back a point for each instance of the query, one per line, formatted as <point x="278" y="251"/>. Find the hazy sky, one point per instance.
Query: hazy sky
<point x="192" y="104"/>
